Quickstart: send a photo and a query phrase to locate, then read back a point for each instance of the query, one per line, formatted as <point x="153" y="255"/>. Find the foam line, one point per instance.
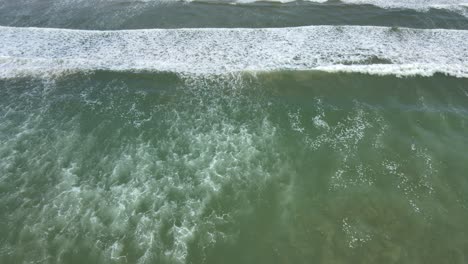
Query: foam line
<point x="374" y="50"/>
<point x="409" y="4"/>
<point x="421" y="5"/>
<point x="458" y="6"/>
<point x="403" y="4"/>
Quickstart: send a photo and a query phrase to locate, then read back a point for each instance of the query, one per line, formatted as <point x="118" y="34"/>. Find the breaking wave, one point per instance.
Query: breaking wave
<point x="366" y="49"/>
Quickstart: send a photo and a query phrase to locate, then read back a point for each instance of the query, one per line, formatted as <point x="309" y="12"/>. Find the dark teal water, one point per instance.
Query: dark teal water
<point x="116" y="14"/>
<point x="139" y="165"/>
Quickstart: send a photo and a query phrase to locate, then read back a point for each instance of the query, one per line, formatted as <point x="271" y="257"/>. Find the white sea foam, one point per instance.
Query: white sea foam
<point x="420" y="5"/>
<point x="138" y="193"/>
<point x="271" y="1"/>
<point x="367" y="49"/>
<point x="458" y="6"/>
<point x="410" y="4"/>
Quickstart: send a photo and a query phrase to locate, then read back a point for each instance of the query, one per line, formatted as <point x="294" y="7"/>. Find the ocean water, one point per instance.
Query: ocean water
<point x="233" y="131"/>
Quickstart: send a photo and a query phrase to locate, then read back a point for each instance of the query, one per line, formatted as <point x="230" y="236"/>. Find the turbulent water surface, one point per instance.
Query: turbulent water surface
<point x="233" y="131"/>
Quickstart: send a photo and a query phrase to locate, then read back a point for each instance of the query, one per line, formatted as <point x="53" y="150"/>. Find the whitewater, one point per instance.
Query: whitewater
<point x="375" y="50"/>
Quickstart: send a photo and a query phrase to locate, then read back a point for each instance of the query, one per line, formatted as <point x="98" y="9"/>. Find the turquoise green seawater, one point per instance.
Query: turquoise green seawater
<point x="280" y="167"/>
<point x="323" y="132"/>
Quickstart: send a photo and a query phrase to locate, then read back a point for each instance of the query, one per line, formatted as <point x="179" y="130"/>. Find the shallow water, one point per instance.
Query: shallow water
<point x="282" y="167"/>
<point x="319" y="144"/>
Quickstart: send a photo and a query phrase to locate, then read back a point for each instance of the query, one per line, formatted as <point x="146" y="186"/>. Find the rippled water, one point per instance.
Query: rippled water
<point x="133" y="14"/>
<point x="318" y="144"/>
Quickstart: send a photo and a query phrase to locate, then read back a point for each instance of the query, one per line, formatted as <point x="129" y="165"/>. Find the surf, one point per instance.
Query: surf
<point x="362" y="49"/>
